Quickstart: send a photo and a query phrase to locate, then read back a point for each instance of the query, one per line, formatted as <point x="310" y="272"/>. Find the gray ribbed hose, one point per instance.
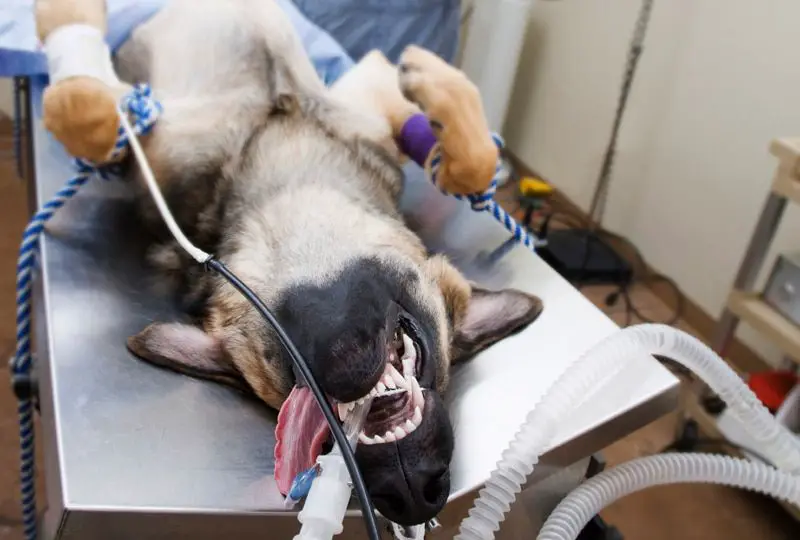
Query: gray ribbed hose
<point x="580" y="506"/>
<point x="589" y="372"/>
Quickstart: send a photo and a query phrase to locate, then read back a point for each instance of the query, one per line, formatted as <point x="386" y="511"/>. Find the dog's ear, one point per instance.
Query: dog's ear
<point x="489" y="317"/>
<point x="479" y="318"/>
<point x="188" y="350"/>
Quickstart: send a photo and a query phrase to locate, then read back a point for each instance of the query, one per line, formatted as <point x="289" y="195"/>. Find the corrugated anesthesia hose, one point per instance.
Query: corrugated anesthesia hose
<point x="588" y="373"/>
<point x="580" y="506"/>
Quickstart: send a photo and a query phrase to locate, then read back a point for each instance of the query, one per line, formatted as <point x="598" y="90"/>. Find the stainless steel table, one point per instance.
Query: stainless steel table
<point x="134" y="452"/>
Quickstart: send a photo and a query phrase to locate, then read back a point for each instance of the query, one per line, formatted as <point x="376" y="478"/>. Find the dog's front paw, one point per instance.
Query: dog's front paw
<point x="453" y="105"/>
<point x="81" y="113"/>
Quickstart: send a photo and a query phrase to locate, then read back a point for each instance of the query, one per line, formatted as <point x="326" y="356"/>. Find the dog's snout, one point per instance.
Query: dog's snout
<point x="343" y="326"/>
<point x="352" y="366"/>
<point x="420" y="500"/>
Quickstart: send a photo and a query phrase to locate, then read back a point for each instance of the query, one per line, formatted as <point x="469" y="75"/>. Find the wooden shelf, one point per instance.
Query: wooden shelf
<point x="787" y="176"/>
<point x="752" y="309"/>
<point x="787" y="184"/>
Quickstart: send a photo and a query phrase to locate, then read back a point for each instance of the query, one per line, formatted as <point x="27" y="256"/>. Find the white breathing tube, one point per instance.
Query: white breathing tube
<point x="600" y="364"/>
<point x="580" y="506"/>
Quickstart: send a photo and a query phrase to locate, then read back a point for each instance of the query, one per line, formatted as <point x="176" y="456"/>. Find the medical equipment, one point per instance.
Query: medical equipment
<point x="575" y="387"/>
<point x="326" y="503"/>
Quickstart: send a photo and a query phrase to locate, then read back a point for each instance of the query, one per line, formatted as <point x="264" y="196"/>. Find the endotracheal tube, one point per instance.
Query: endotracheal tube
<point x="599" y="365"/>
<point x="326" y="501"/>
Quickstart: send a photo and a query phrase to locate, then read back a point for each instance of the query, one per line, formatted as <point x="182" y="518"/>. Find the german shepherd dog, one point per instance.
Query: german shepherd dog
<point x="295" y="187"/>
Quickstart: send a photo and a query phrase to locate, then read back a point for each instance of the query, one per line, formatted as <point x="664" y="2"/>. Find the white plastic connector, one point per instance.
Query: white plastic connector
<point x="325" y="507"/>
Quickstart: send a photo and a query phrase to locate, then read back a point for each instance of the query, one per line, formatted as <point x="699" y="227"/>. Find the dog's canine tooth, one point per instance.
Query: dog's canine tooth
<point x="388" y="380"/>
<point x="381" y="387"/>
<point x="398" y="379"/>
<point x="417" y="418"/>
<point x="410" y="426"/>
<point x="389" y="437"/>
<point x="372" y="393"/>
<point x="416" y="392"/>
<point x="409" y="356"/>
<point x="344" y="409"/>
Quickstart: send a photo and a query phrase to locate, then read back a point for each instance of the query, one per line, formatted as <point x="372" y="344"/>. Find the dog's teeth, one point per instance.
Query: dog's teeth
<point x="416" y="392"/>
<point x="373" y="393"/>
<point x="362" y="438"/>
<point x="397" y="378"/>
<point x="408" y="347"/>
<point x="410" y="426"/>
<point x="399" y="432"/>
<point x="417" y="418"/>
<point x="381" y="387"/>
<point x="344" y="408"/>
<point x="351" y="406"/>
<point x="389" y="437"/>
<point x="378" y="439"/>
<point x="409" y="356"/>
<point x="388" y="380"/>
<point x="361" y="401"/>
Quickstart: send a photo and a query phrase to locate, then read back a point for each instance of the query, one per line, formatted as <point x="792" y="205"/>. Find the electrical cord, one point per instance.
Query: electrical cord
<point x="348" y="455"/>
<point x="641" y="272"/>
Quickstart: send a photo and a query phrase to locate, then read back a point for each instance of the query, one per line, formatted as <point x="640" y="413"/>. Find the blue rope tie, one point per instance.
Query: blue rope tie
<point x="143" y="111"/>
<point x="485" y="201"/>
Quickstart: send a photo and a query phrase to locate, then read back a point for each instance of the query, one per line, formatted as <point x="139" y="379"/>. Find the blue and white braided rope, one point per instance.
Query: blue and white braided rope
<point x="485" y="201"/>
<point x="140" y="106"/>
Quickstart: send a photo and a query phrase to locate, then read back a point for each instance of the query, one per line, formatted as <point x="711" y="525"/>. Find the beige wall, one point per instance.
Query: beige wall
<point x="718" y="80"/>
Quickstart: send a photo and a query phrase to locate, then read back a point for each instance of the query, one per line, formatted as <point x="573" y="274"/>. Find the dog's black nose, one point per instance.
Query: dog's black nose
<point x="419" y="501"/>
<point x="343" y="327"/>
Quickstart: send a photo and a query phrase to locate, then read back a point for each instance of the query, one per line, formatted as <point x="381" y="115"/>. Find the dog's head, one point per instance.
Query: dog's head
<point x="386" y="327"/>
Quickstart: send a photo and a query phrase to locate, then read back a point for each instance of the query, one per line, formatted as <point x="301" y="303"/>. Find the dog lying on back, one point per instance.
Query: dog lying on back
<point x="296" y="187"/>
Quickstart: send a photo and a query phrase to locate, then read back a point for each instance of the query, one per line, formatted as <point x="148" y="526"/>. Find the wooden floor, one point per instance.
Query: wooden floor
<point x="670" y="513"/>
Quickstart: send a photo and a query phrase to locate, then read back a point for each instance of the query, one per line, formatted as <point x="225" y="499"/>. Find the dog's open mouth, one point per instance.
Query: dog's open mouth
<point x="396" y="411"/>
<point x="397" y="400"/>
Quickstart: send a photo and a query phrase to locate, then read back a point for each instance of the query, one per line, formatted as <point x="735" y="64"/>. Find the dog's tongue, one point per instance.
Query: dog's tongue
<point x="300" y="434"/>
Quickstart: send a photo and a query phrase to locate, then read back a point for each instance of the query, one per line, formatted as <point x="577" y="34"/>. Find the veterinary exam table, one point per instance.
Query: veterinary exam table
<point x="134" y="452"/>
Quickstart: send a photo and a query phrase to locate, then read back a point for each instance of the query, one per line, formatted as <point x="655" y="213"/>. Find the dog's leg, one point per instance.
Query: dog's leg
<point x="444" y="94"/>
<point x="370" y="87"/>
<point x="453" y="106"/>
<point x="283" y="45"/>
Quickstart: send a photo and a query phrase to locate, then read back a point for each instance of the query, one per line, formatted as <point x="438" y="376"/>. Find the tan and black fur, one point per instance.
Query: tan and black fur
<point x="295" y="187"/>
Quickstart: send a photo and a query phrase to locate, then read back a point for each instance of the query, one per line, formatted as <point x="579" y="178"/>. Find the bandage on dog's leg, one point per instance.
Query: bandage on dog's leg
<point x="453" y="106"/>
<point x="80" y="104"/>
